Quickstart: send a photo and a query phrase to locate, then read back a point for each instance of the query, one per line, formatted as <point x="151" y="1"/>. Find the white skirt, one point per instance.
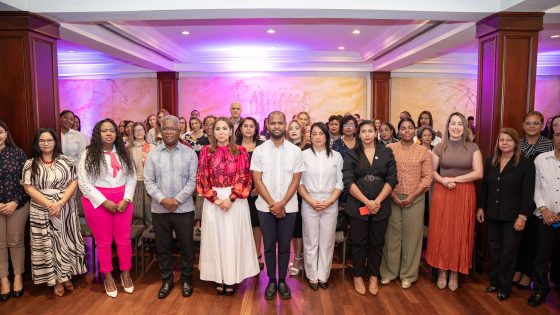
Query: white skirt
<point x="227" y="247"/>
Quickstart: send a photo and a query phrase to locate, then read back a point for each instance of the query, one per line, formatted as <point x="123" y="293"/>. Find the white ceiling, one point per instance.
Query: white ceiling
<point x="128" y="37"/>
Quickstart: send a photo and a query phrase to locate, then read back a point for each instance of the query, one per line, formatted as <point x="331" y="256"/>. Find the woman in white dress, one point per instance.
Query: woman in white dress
<point x="321" y="185"/>
<point x="227" y="249"/>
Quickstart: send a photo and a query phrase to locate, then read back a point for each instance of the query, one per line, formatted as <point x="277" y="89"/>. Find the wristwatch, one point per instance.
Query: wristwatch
<point x="231" y="199"/>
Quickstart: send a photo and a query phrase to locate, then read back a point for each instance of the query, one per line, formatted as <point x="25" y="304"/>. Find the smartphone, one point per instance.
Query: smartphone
<point x="364" y="210"/>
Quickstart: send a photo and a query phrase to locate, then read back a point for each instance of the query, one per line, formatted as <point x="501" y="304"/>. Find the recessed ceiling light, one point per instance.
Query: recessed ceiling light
<point x="356" y="32"/>
<point x="554" y="36"/>
<point x="271" y="31"/>
<point x="341" y="47"/>
<point x="185" y="32"/>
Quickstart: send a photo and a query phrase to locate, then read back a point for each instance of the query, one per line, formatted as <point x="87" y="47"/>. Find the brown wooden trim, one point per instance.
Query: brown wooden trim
<point x="512" y="21"/>
<point x="168" y="92"/>
<point x="27" y="21"/>
<point x="380" y="95"/>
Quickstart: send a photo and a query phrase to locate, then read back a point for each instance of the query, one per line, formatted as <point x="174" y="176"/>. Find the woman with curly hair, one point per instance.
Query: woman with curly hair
<point x="106" y="176"/>
<point x="57" y="248"/>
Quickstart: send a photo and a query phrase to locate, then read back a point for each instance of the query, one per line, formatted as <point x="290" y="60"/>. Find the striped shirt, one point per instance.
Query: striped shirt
<point x="532" y="150"/>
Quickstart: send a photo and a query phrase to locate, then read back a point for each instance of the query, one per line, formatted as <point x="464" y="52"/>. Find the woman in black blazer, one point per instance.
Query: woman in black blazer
<point x="505" y="200"/>
<point x="369" y="174"/>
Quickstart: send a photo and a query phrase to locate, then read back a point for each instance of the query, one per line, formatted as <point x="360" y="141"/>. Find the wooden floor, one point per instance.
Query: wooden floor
<point x="422" y="298"/>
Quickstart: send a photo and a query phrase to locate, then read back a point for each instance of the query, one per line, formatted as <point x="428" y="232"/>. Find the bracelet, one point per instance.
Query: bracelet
<point x="231" y="199"/>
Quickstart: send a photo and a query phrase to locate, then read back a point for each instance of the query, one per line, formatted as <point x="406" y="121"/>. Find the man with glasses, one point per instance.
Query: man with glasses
<point x="170" y="179"/>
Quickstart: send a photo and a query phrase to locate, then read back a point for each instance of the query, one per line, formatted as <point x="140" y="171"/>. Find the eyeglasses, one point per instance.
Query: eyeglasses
<point x="46" y="141"/>
<point x="532" y="123"/>
<point x="349" y="126"/>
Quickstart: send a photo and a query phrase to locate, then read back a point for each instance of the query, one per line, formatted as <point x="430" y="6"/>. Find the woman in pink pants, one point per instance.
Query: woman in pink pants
<point x="107" y="180"/>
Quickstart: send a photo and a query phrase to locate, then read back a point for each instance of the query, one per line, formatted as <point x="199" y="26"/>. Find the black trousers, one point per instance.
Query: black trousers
<point x="183" y="225"/>
<point x="367" y="239"/>
<point x="548" y="240"/>
<point x="527" y="246"/>
<point x="555" y="267"/>
<point x="503" y="241"/>
<point x="277" y="231"/>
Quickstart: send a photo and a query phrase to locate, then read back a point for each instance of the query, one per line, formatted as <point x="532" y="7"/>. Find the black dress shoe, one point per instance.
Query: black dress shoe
<point x="502" y="296"/>
<point x="187" y="289"/>
<point x="220" y="289"/>
<point x="523" y="287"/>
<point x="5" y="297"/>
<point x="17" y="294"/>
<point x="324" y="285"/>
<point x="270" y="290"/>
<point x="284" y="290"/>
<point x="536" y="299"/>
<point x="314" y="285"/>
<point x="165" y="290"/>
<point x="491" y="288"/>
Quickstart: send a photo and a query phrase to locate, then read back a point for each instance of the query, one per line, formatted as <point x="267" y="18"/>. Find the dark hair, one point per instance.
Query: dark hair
<point x="79" y="122"/>
<point x="147" y="121"/>
<point x="239" y="135"/>
<point x="470" y="118"/>
<point x="359" y="146"/>
<point x="391" y="127"/>
<point x="421" y="129"/>
<point x="325" y="130"/>
<point x="345" y="120"/>
<point x="66" y="111"/>
<point x="406" y="113"/>
<point x="36" y="150"/>
<point x="276" y="112"/>
<point x="134" y="127"/>
<point x="406" y="119"/>
<point x="94" y="155"/>
<point x="9" y="140"/>
<point x="335" y="117"/>
<point x="425" y="112"/>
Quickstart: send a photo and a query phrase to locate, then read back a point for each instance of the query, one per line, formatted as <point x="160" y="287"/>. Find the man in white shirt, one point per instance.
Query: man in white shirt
<point x="547" y="199"/>
<point x="277" y="166"/>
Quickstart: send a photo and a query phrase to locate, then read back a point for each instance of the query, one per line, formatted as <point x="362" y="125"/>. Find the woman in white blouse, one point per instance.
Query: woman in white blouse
<point x="73" y="142"/>
<point x="106" y="176"/>
<point x="321" y="185"/>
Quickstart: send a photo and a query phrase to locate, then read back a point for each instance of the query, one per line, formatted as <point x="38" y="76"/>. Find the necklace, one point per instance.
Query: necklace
<point x="46" y="162"/>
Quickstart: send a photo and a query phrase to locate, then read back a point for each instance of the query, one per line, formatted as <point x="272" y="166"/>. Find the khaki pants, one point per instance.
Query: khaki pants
<point x="403" y="241"/>
<point x="12" y="236"/>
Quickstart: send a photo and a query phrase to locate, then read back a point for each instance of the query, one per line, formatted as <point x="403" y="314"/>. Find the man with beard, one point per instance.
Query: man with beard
<point x="277" y="166"/>
<point x="170" y="178"/>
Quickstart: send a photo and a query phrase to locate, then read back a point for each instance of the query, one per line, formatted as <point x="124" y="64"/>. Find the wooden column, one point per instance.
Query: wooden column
<point x="29" y="80"/>
<point x="168" y="92"/>
<point x="507" y="64"/>
<point x="380" y="87"/>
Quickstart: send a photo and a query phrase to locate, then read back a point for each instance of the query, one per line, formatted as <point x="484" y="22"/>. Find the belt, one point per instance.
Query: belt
<point x="371" y="178"/>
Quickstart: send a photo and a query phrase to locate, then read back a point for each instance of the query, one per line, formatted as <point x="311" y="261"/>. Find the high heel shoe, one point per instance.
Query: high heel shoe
<point x="112" y="294"/>
<point x="128" y="290"/>
<point x="442" y="279"/>
<point x="359" y="285"/>
<point x="58" y="289"/>
<point x="453" y="281"/>
<point x="373" y="286"/>
<point x="261" y="264"/>
<point x="294" y="271"/>
<point x="68" y="285"/>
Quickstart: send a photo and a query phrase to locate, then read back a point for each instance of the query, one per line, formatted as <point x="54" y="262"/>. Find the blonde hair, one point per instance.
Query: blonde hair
<point x="232" y="147"/>
<point x="302" y="128"/>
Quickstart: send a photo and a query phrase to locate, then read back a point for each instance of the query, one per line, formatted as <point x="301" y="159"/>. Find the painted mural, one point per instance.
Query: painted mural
<point x="119" y="99"/>
<point x="259" y="95"/>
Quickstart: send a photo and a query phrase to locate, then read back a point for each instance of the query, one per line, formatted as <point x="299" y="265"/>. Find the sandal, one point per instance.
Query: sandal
<point x="294" y="271"/>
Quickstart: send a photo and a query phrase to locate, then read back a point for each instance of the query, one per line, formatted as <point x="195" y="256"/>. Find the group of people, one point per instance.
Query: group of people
<point x="286" y="186"/>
